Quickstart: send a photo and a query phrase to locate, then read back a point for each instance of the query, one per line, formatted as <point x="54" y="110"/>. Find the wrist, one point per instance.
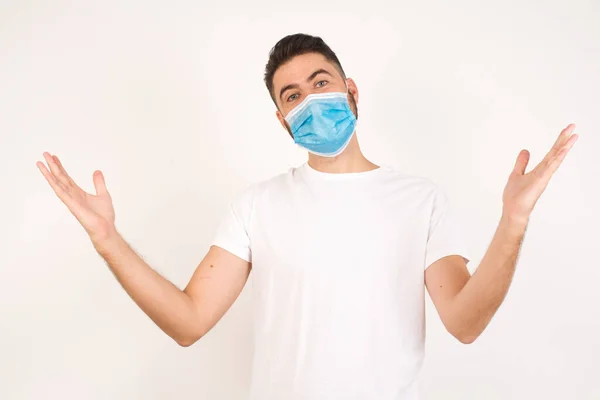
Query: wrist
<point x="514" y="223"/>
<point x="106" y="240"/>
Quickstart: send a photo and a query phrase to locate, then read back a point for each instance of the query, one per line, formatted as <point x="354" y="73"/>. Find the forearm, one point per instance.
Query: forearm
<point x="477" y="302"/>
<point x="168" y="306"/>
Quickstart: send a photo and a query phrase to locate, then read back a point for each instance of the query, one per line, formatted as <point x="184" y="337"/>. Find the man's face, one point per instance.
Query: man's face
<point x="306" y="74"/>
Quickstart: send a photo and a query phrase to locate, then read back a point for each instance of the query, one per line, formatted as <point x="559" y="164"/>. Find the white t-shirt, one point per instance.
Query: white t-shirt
<point x="338" y="264"/>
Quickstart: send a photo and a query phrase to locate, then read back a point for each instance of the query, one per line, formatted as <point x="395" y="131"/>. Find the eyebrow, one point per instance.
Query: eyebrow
<point x="310" y="78"/>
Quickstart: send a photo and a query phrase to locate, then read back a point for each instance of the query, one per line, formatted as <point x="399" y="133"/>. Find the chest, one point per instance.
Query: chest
<point x="352" y="232"/>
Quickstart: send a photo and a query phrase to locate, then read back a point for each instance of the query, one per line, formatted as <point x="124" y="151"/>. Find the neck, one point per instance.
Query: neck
<point x="350" y="160"/>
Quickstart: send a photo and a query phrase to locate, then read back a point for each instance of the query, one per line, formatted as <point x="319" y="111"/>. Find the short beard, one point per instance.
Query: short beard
<point x="353" y="107"/>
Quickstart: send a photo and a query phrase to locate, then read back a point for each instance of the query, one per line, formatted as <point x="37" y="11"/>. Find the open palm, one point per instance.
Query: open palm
<point x="95" y="212"/>
<point x="523" y="190"/>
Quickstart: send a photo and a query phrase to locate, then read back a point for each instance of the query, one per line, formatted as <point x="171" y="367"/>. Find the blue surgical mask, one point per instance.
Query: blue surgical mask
<point x="323" y="123"/>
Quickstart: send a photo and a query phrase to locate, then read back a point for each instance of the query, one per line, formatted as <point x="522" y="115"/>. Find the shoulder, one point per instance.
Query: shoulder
<point x="250" y="192"/>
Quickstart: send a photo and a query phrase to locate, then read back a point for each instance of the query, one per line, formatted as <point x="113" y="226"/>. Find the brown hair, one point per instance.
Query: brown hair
<point x="295" y="45"/>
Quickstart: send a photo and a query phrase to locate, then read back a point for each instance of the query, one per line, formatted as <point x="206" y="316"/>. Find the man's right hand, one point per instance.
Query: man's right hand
<point x="185" y="315"/>
<point x="95" y="212"/>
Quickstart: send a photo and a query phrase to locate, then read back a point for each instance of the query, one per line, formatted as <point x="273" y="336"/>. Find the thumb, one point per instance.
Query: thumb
<point x="99" y="183"/>
<point x="521" y="163"/>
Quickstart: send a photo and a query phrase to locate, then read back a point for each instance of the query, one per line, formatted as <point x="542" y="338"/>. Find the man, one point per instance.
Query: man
<point x="341" y="248"/>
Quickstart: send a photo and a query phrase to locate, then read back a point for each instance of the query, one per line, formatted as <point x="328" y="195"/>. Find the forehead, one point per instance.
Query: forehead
<point x="297" y="69"/>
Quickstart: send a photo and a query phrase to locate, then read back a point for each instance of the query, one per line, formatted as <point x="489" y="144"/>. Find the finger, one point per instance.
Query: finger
<point x="562" y="138"/>
<point x="560" y="141"/>
<point x="62" y="169"/>
<point x="99" y="183"/>
<point x="60" y="190"/>
<point x="558" y="145"/>
<point x="556" y="161"/>
<point x="55" y="170"/>
<point x="58" y="187"/>
<point x="521" y="163"/>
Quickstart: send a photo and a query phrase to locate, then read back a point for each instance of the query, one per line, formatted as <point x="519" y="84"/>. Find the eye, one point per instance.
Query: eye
<point x="320" y="82"/>
<point x="290" y="98"/>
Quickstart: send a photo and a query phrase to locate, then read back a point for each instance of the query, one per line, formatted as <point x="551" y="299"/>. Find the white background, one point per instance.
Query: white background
<point x="167" y="99"/>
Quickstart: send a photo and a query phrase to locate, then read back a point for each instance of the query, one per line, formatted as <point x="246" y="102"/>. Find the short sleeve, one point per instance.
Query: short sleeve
<point x="446" y="236"/>
<point x="232" y="233"/>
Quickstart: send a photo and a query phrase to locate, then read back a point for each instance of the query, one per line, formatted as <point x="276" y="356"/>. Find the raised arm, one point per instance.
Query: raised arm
<point x="466" y="304"/>
<point x="185" y="315"/>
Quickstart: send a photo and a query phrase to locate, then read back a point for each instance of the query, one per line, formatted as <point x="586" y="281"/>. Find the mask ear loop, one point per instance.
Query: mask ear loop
<point x="348" y="92"/>
<point x="355" y="119"/>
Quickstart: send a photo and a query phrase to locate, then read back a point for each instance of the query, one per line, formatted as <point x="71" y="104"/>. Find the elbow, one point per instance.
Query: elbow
<point x="463" y="335"/>
<point x="188" y="340"/>
<point x="191" y="332"/>
<point x="185" y="342"/>
<point x="466" y="339"/>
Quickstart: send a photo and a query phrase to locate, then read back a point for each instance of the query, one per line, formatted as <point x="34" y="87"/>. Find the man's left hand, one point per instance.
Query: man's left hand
<point x="524" y="189"/>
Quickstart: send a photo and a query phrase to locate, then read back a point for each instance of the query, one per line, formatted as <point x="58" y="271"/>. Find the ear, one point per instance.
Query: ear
<point x="352" y="89"/>
<point x="281" y="119"/>
<point x="284" y="123"/>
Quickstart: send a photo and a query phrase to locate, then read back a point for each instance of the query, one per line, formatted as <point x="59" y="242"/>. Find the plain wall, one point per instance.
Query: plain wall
<point x="167" y="100"/>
